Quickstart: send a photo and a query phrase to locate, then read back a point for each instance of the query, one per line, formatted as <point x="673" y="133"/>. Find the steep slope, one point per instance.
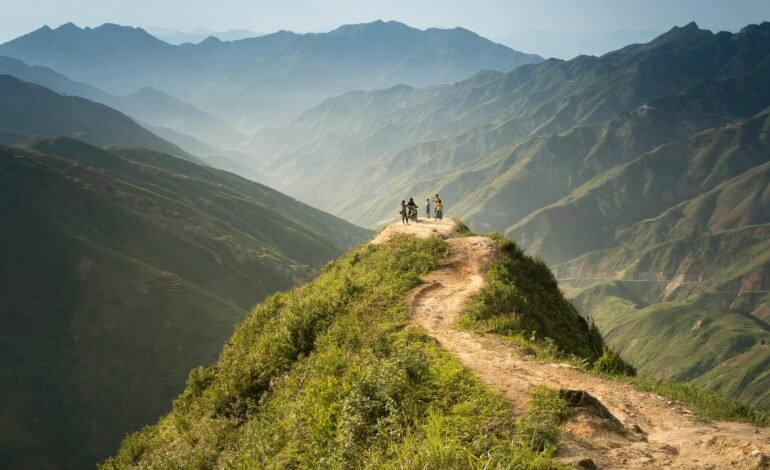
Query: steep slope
<point x="147" y="105"/>
<point x="333" y="374"/>
<point x="122" y="269"/>
<point x="644" y="188"/>
<point x="268" y="78"/>
<point x="30" y="110"/>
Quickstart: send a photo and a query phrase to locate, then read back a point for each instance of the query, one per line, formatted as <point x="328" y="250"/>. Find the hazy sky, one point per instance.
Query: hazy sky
<point x="487" y="17"/>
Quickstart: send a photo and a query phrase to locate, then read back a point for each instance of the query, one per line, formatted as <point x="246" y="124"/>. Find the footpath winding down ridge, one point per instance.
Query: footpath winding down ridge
<point x="641" y="430"/>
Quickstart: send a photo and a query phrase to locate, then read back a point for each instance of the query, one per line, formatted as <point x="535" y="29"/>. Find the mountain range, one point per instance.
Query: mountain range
<point x="29" y="110"/>
<point x="596" y="164"/>
<point x="254" y="81"/>
<point x="569" y="44"/>
<point x="190" y="128"/>
<point x="173" y="36"/>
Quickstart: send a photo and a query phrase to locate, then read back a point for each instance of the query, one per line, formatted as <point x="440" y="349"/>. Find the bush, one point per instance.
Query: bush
<point x="611" y="363"/>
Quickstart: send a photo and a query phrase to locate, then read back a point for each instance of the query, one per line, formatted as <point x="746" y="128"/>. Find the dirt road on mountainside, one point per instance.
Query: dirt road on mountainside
<point x="651" y="431"/>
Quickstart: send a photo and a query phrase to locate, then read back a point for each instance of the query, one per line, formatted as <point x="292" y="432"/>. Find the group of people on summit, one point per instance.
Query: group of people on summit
<point x="409" y="210"/>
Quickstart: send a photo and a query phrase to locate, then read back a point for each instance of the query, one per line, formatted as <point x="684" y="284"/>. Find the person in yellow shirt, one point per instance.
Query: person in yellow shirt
<point x="439" y="208"/>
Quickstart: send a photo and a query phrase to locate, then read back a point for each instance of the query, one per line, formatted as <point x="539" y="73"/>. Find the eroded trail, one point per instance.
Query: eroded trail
<point x="655" y="432"/>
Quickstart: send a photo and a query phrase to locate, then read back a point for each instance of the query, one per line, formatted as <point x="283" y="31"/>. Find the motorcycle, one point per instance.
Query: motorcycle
<point x="412" y="213"/>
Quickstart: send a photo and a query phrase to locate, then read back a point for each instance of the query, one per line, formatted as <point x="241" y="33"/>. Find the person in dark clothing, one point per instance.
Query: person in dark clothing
<point x="412" y="207"/>
<point x="427" y="208"/>
<point x="404" y="213"/>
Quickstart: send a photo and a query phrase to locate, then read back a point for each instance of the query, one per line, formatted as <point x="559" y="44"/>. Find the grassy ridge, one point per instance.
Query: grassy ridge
<point x="523" y="297"/>
<point x="331" y="375"/>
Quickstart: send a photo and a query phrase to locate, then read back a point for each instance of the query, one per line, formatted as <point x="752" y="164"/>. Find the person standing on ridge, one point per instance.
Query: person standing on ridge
<point x="404" y="214"/>
<point x="427" y="208"/>
<point x="439" y="208"/>
<point x="412" y="206"/>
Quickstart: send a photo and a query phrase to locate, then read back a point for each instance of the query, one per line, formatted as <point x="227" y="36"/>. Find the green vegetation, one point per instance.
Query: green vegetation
<point x="704" y="405"/>
<point x="122" y="269"/>
<point x="539" y="429"/>
<point x="331" y="375"/>
<point x="522" y="298"/>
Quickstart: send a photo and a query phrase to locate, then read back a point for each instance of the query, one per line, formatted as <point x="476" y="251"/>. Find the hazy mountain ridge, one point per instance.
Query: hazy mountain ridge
<point x="147" y="105"/>
<point x="275" y="75"/>
<point x="123" y="268"/>
<point x="569" y="44"/>
<point x="30" y="110"/>
<point x="176" y="37"/>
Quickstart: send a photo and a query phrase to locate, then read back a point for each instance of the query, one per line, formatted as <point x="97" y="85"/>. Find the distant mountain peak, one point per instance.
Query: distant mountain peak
<point x="687" y="32"/>
<point x="378" y="25"/>
<point x="69" y="26"/>
<point x="211" y="40"/>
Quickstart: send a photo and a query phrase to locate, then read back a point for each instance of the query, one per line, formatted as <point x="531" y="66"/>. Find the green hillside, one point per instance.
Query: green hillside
<point x="332" y="374"/>
<point x="122" y="270"/>
<point x="717" y="349"/>
<point x="646" y="187"/>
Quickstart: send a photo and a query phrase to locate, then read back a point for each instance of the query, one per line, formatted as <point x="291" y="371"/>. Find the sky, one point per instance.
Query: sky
<point x="490" y="18"/>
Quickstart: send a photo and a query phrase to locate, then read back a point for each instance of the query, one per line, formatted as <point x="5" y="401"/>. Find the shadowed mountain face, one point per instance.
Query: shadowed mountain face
<point x="643" y="167"/>
<point x="257" y="80"/>
<point x="122" y="269"/>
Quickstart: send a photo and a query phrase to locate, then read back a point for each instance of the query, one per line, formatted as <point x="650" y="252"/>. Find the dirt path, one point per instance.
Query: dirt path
<point x="655" y="432"/>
